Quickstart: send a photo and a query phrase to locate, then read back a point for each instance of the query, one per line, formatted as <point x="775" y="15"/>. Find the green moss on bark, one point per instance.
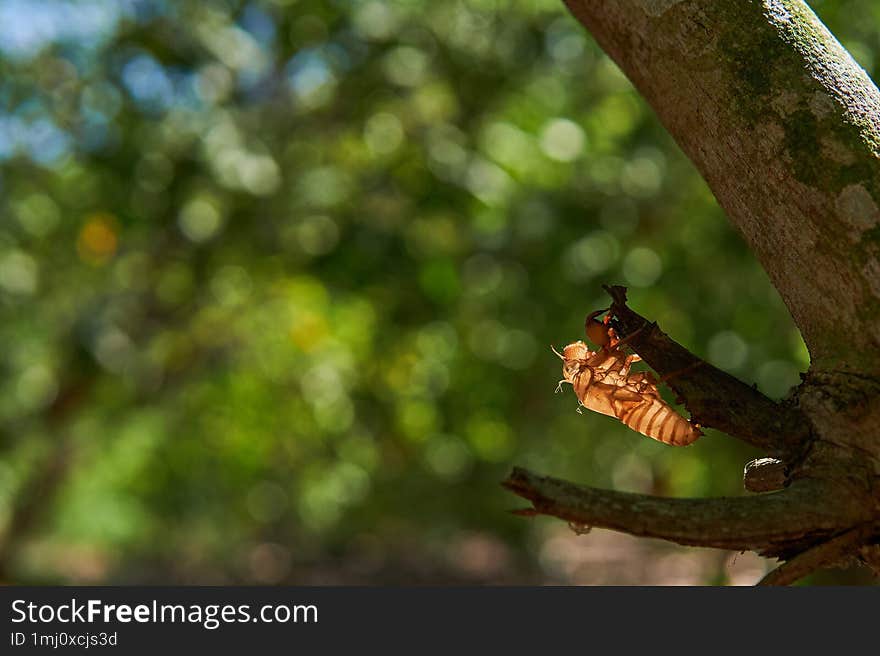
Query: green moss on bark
<point x="793" y="89"/>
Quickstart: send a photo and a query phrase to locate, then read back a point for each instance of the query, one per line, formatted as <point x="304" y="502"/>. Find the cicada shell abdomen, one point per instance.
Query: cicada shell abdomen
<point x="655" y="419"/>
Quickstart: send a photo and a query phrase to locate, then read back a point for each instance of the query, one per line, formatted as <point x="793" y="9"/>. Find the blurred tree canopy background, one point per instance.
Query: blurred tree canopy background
<point x="279" y="280"/>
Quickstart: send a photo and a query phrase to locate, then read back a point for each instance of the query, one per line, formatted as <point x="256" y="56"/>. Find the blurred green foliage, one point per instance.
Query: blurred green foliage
<point x="279" y="280"/>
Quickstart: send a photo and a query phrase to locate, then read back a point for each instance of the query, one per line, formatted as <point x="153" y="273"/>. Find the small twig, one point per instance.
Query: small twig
<point x="714" y="398"/>
<point x="822" y="555"/>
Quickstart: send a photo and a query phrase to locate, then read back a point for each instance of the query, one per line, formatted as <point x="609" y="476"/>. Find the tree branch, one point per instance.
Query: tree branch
<point x="822" y="555"/>
<point x="785" y="127"/>
<point x="775" y="524"/>
<point x="713" y="397"/>
<point x="870" y="555"/>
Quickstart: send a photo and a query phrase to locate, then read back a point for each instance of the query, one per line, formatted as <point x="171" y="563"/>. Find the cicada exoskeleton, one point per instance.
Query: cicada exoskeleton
<point x="603" y="382"/>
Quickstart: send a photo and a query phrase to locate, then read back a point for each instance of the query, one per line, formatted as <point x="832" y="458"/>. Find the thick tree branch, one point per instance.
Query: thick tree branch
<point x="776" y="524"/>
<point x="713" y="397"/>
<point x="785" y="128"/>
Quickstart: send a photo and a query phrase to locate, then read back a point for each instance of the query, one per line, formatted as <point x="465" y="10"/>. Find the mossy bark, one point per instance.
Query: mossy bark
<point x="785" y="127"/>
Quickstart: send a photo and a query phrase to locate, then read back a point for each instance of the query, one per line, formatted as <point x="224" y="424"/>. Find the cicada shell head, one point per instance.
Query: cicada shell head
<point x="574" y="356"/>
<point x="576" y="351"/>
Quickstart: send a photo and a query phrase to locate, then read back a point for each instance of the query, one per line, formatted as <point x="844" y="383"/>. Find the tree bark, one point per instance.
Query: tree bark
<point x="785" y="127"/>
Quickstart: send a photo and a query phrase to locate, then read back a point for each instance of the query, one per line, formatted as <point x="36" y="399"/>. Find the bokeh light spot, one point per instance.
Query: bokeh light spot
<point x="200" y="219"/>
<point x="590" y="255"/>
<point x="562" y="140"/>
<point x="383" y="133"/>
<point x="308" y="330"/>
<point x="642" y="267"/>
<point x="98" y="239"/>
<point x="727" y="350"/>
<point x="777" y="377"/>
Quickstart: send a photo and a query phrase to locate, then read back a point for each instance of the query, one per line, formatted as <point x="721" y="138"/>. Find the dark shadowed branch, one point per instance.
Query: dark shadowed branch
<point x="775" y="524"/>
<point x="870" y="555"/>
<point x="822" y="555"/>
<point x="714" y="398"/>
